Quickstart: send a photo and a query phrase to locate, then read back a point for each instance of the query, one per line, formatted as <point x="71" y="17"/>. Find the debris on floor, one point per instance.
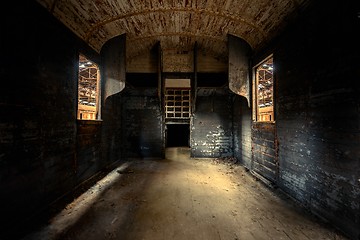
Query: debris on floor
<point x="181" y="199"/>
<point x="225" y="160"/>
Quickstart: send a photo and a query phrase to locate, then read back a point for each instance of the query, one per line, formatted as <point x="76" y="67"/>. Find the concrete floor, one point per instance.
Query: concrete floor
<point x="182" y="198"/>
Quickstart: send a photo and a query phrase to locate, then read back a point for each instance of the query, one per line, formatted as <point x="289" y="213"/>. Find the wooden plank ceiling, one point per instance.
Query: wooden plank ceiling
<point x="177" y="24"/>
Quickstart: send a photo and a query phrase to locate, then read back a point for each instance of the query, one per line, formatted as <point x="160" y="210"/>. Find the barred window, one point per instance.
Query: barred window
<point x="177" y="99"/>
<point x="177" y="103"/>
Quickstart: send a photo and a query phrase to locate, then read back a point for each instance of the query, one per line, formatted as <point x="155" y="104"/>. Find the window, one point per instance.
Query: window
<point x="177" y="99"/>
<point x="264" y="91"/>
<point x="88" y="89"/>
<point x="177" y="103"/>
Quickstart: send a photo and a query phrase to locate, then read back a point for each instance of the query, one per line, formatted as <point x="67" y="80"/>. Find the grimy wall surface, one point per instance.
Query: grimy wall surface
<point x="45" y="151"/>
<point x="317" y="114"/>
<point x="211" y="126"/>
<point x="142" y="125"/>
<point x="313" y="145"/>
<point x="242" y="131"/>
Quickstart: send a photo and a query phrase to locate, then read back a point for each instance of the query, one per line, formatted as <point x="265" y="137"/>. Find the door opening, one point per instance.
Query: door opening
<point x="178" y="135"/>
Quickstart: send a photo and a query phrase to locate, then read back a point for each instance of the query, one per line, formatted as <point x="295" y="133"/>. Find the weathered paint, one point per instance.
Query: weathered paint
<point x="239" y="67"/>
<point x="176" y="24"/>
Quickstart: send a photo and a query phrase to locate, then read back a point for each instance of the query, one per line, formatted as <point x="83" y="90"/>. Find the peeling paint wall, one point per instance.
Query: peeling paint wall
<point x="211" y="125"/>
<point x="175" y="24"/>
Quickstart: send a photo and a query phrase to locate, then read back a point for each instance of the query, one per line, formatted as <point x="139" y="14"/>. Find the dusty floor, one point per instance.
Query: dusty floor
<point x="182" y="198"/>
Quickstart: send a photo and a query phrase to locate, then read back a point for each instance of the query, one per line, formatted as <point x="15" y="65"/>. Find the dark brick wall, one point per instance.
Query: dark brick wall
<point x="264" y="150"/>
<point x="41" y="156"/>
<point x="142" y="125"/>
<point x="318" y="112"/>
<point x="88" y="149"/>
<point x="111" y="129"/>
<point x="211" y="126"/>
<point x="242" y="131"/>
<point x="45" y="152"/>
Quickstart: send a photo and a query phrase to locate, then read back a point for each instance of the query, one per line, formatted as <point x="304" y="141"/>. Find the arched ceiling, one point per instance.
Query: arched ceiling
<point x="177" y="24"/>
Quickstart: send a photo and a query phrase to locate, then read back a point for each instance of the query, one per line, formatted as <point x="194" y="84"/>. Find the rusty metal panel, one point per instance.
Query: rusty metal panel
<point x="114" y="68"/>
<point x="239" y="77"/>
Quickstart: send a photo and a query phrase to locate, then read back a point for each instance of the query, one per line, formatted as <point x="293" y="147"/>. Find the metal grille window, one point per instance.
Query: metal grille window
<point x="177" y="103"/>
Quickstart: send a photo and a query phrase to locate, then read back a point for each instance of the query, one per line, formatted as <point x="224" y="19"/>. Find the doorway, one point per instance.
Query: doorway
<point x="178" y="135"/>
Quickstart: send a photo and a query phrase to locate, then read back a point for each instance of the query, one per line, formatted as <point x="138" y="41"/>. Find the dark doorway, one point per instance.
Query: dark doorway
<point x="177" y="135"/>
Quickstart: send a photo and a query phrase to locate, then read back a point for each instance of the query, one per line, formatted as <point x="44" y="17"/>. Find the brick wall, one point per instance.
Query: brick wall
<point x="40" y="160"/>
<point x="88" y="149"/>
<point x="111" y="138"/>
<point x="142" y="124"/>
<point x="264" y="150"/>
<point x="317" y="112"/>
<point x="242" y="131"/>
<point x="211" y="126"/>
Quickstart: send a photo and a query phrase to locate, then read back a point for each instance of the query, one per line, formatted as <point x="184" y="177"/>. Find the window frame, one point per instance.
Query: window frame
<point x="177" y="103"/>
<point x="97" y="110"/>
<point x="255" y="91"/>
